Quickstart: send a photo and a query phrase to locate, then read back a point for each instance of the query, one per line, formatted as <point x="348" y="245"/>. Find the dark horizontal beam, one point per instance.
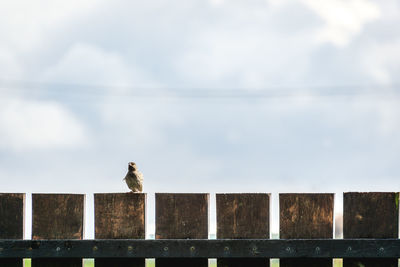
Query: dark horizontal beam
<point x="185" y="248"/>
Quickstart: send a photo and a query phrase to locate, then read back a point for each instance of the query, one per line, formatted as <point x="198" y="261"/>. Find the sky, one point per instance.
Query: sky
<point x="205" y="96"/>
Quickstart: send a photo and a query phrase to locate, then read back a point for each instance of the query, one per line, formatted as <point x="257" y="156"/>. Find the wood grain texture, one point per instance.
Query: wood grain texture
<point x="182" y="216"/>
<point x="242" y="216"/>
<point x="12" y="207"/>
<point x="57" y="216"/>
<point x="120" y="216"/>
<point x="370" y="215"/>
<point x="306" y="216"/>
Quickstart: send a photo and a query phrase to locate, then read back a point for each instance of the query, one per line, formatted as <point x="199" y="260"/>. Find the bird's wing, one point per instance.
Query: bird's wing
<point x="140" y="176"/>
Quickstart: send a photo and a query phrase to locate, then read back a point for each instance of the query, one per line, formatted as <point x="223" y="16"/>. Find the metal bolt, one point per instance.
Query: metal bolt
<point x="192" y="249"/>
<point x="226" y="249"/>
<point x="58" y="248"/>
<point x="68" y="245"/>
<point x="165" y="248"/>
<point x="130" y="248"/>
<point x="35" y="245"/>
<point x="95" y="248"/>
<point x="254" y="250"/>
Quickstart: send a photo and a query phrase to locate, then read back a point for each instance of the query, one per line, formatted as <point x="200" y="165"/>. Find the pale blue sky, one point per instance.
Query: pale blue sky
<point x="206" y="96"/>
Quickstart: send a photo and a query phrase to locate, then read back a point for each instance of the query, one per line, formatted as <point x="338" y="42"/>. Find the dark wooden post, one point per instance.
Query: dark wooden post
<point x="12" y="208"/>
<point x="242" y="216"/>
<point x="306" y="216"/>
<point x="181" y="216"/>
<point x="370" y="215"/>
<point x="120" y="216"/>
<point x="57" y="216"/>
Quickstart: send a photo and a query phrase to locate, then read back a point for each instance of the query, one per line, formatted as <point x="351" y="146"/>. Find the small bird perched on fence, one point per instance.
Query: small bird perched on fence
<point x="134" y="178"/>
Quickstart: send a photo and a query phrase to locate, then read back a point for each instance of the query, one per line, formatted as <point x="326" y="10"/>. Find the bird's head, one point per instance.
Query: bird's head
<point x="132" y="166"/>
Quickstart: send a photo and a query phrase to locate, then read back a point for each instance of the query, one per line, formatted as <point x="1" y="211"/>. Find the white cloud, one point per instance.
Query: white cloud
<point x="244" y="56"/>
<point x="90" y="65"/>
<point x="25" y="24"/>
<point x="9" y="65"/>
<point x="389" y="112"/>
<point x="383" y="113"/>
<point x="27" y="124"/>
<point x="217" y="2"/>
<point x="220" y="44"/>
<point x="381" y="60"/>
<point x="117" y="107"/>
<point x="343" y="18"/>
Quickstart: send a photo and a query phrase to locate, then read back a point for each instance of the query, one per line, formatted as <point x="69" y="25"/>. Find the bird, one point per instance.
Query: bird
<point x="134" y="178"/>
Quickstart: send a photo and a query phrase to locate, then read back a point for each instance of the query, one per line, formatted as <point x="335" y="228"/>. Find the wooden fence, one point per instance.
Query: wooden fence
<point x="370" y="229"/>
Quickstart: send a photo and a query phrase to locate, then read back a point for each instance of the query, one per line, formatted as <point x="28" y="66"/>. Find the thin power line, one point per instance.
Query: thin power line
<point x="82" y="90"/>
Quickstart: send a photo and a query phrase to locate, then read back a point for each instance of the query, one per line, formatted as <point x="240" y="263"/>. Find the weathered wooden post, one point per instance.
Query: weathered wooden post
<point x="181" y="216"/>
<point x="306" y="216"/>
<point x="242" y="216"/>
<point x="57" y="216"/>
<point x="371" y="215"/>
<point x="11" y="222"/>
<point x="120" y="216"/>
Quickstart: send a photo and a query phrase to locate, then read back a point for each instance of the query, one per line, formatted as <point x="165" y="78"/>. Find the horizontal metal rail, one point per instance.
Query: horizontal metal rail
<point x="195" y="248"/>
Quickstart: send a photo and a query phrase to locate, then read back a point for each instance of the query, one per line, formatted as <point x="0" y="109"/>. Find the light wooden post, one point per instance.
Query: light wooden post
<point x="306" y="216"/>
<point x="120" y="216"/>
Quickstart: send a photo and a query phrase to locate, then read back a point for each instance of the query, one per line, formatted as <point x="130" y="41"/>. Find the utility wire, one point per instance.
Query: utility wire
<point x="81" y="90"/>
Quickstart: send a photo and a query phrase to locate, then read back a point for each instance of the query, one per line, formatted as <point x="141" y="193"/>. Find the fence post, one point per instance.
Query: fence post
<point x="242" y="216"/>
<point x="57" y="216"/>
<point x="370" y="215"/>
<point x="12" y="208"/>
<point x="306" y="216"/>
<point x="181" y="216"/>
<point x="120" y="216"/>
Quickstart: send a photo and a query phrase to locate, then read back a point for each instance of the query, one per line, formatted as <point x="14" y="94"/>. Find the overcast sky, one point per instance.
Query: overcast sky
<point x="205" y="96"/>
